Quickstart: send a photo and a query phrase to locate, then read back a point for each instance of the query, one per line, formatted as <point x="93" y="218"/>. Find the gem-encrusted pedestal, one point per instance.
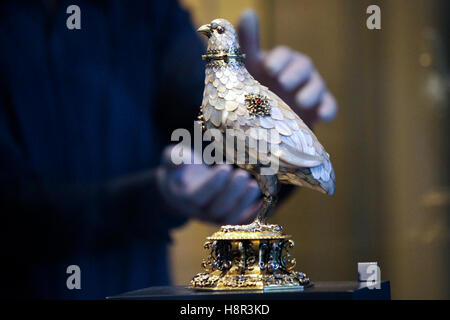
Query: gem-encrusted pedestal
<point x="250" y="257"/>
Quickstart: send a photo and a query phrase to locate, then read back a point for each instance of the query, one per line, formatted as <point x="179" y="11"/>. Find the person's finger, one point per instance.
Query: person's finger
<point x="296" y="72"/>
<point x="175" y="156"/>
<point x="328" y="108"/>
<point x="248" y="199"/>
<point x="310" y="94"/>
<point x="215" y="181"/>
<point x="169" y="191"/>
<point x="251" y="213"/>
<point x="166" y="156"/>
<point x="248" y="33"/>
<point x="228" y="198"/>
<point x="277" y="59"/>
<point x="186" y="209"/>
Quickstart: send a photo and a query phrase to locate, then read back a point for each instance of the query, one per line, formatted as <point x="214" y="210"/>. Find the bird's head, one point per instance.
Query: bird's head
<point x="221" y="35"/>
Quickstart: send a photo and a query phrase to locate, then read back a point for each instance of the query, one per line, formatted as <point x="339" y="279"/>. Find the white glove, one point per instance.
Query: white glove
<point x="288" y="73"/>
<point x="218" y="194"/>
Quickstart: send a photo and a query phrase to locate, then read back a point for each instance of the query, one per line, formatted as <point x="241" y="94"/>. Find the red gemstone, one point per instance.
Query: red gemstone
<point x="259" y="101"/>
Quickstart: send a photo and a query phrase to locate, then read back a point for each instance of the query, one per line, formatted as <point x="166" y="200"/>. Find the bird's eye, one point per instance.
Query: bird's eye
<point x="220" y="29"/>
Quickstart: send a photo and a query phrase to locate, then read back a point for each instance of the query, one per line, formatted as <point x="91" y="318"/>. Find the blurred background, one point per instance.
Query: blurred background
<point x="389" y="143"/>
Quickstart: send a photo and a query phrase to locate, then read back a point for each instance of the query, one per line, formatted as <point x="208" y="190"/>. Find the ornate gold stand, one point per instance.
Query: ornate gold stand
<point x="249" y="257"/>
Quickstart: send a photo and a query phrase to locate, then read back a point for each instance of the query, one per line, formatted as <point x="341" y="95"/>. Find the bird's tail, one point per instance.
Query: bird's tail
<point x="320" y="178"/>
<point x="324" y="175"/>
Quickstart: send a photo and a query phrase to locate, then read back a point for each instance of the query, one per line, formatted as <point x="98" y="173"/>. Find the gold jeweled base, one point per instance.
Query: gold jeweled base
<point x="249" y="257"/>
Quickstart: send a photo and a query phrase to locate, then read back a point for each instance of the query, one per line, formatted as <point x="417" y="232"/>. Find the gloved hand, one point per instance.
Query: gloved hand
<point x="218" y="194"/>
<point x="288" y="73"/>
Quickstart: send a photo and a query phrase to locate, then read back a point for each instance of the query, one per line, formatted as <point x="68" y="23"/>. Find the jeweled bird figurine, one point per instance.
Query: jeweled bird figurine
<point x="233" y="99"/>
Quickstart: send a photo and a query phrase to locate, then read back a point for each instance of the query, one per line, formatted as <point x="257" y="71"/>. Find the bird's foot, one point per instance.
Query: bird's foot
<point x="255" y="226"/>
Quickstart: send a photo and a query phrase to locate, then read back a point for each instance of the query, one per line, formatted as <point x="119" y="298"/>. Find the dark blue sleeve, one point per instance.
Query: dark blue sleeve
<point x="181" y="71"/>
<point x="44" y="222"/>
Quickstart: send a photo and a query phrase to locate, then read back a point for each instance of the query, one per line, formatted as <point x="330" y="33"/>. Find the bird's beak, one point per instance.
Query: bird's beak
<point x="205" y="29"/>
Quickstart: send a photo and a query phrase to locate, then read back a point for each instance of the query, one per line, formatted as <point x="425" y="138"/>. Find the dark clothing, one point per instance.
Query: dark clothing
<point x="84" y="115"/>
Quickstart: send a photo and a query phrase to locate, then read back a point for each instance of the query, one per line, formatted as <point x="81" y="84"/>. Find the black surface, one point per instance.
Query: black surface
<point x="342" y="290"/>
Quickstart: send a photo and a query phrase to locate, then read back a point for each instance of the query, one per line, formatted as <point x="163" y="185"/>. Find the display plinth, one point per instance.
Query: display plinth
<point x="342" y="290"/>
<point x="249" y="257"/>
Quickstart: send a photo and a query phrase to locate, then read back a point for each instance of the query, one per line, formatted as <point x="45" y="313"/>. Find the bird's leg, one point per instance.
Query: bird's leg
<point x="268" y="204"/>
<point x="268" y="184"/>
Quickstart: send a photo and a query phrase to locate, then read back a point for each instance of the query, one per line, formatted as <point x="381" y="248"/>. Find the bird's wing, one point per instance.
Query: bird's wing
<point x="295" y="134"/>
<point x="288" y="137"/>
